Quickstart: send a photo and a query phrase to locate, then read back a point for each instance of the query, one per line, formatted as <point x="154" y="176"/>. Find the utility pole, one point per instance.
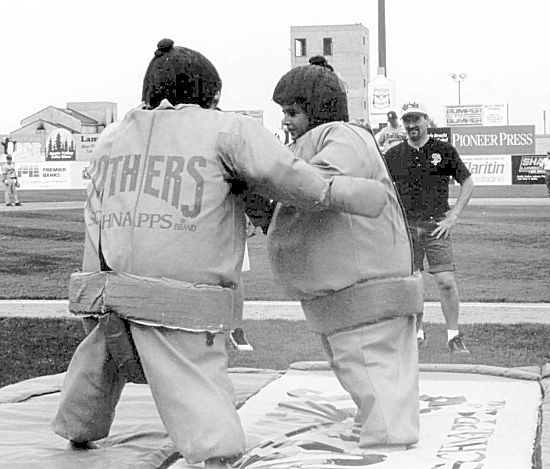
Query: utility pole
<point x="382" y="37"/>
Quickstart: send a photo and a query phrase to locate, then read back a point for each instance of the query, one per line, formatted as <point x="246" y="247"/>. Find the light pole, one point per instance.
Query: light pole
<point x="459" y="79"/>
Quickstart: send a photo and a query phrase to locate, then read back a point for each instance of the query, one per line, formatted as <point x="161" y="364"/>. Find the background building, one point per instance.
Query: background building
<point x="346" y="48"/>
<point x="61" y="133"/>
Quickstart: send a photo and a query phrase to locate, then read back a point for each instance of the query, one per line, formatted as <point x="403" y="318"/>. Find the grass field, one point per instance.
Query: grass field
<point x="36" y="347"/>
<point x="501" y="252"/>
<point x="501" y="255"/>
<point x="525" y="190"/>
<point x="505" y="192"/>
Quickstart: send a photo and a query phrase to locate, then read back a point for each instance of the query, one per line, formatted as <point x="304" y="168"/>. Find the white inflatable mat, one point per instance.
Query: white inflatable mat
<point x="468" y="420"/>
<point x="472" y="417"/>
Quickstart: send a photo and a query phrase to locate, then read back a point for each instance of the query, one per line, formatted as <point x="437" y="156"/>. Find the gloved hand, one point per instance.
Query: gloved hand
<point x="259" y="210"/>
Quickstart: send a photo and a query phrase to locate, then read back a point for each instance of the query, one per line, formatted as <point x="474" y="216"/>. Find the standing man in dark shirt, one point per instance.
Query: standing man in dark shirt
<point x="421" y="168"/>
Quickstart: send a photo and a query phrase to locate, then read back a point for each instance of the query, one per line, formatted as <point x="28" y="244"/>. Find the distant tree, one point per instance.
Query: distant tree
<point x="57" y="146"/>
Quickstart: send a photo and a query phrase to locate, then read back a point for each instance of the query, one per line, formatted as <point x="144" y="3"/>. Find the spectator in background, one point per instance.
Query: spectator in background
<point x="421" y="168"/>
<point x="393" y="134"/>
<point x="545" y="165"/>
<point x="9" y="178"/>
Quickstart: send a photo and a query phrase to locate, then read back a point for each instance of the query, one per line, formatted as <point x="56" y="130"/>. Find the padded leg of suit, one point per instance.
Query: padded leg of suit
<point x="192" y="391"/>
<point x="378" y="365"/>
<point x="90" y="392"/>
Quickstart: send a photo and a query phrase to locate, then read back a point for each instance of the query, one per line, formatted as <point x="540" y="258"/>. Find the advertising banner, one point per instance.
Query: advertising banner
<point x="34" y="176"/>
<point x="85" y="144"/>
<point x="495" y="140"/>
<point x="489" y="170"/>
<point x="441" y="133"/>
<point x="464" y="115"/>
<point x="476" y="114"/>
<point x="381" y="93"/>
<point x="60" y="146"/>
<point x="526" y="169"/>
<point x="495" y="114"/>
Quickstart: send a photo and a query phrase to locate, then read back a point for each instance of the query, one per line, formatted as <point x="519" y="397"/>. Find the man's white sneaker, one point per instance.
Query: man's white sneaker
<point x="456" y="345"/>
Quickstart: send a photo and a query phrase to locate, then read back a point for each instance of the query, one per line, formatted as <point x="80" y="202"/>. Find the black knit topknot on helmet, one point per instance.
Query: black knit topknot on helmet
<point x="181" y="75"/>
<point x="321" y="61"/>
<point x="318" y="90"/>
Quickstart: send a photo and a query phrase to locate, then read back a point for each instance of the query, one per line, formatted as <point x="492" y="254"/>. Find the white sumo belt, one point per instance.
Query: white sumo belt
<point x="161" y="301"/>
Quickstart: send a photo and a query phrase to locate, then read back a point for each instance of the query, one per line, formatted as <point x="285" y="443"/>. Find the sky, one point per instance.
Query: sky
<point x="58" y="51"/>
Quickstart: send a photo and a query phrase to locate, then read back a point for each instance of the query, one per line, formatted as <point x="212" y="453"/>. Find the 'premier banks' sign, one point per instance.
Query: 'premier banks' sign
<point x="494" y="140"/>
<point x="49" y="175"/>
